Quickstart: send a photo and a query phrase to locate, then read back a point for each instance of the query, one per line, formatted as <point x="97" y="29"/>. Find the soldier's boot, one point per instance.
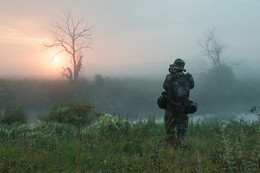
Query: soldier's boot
<point x="181" y="139"/>
<point x="171" y="140"/>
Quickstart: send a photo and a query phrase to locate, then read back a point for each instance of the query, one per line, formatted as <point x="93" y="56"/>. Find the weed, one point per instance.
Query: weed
<point x="103" y="147"/>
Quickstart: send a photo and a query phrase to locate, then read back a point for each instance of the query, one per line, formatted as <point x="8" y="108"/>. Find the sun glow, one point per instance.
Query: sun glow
<point x="55" y="59"/>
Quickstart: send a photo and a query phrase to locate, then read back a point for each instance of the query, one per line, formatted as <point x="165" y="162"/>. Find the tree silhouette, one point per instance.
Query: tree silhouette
<point x="213" y="47"/>
<point x="72" y="38"/>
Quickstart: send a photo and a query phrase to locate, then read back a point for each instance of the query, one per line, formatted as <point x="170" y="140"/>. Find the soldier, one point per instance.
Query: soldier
<point x="177" y="85"/>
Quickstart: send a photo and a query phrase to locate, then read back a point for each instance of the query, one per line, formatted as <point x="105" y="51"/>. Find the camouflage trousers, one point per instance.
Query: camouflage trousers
<point x="175" y="120"/>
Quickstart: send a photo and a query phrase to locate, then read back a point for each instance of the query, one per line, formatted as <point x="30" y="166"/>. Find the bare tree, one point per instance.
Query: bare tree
<point x="72" y="38"/>
<point x="213" y="47"/>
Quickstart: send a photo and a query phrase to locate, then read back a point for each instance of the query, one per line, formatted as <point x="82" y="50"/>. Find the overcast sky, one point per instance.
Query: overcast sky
<point x="131" y="37"/>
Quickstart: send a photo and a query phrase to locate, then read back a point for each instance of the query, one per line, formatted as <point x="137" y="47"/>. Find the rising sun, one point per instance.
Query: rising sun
<point x="56" y="59"/>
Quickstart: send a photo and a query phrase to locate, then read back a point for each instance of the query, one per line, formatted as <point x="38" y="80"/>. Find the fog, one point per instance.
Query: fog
<point x="134" y="43"/>
<point x="218" y="92"/>
<point x="131" y="38"/>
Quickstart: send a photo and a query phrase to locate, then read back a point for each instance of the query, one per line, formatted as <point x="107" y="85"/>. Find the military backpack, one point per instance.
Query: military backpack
<point x="179" y="89"/>
<point x="178" y="94"/>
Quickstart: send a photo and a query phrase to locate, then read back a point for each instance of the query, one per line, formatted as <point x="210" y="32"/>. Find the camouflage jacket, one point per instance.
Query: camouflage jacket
<point x="169" y="78"/>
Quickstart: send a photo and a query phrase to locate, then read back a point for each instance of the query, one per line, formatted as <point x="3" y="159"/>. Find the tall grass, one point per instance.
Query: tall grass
<point x="103" y="146"/>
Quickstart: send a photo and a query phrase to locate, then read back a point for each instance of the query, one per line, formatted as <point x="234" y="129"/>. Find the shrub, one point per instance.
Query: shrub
<point x="75" y="112"/>
<point x="106" y="125"/>
<point x="13" y="114"/>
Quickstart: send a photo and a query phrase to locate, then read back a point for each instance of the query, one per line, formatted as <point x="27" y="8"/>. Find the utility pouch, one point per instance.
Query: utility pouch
<point x="162" y="101"/>
<point x="191" y="108"/>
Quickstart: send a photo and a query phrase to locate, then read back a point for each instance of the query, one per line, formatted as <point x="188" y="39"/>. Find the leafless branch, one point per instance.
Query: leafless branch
<point x="72" y="37"/>
<point x="69" y="74"/>
<point x="212" y="48"/>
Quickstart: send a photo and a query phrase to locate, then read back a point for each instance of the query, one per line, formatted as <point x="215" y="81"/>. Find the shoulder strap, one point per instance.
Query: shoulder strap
<point x="174" y="77"/>
<point x="188" y="76"/>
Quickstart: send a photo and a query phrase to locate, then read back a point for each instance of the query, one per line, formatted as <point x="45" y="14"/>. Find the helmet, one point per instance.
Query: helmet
<point x="178" y="64"/>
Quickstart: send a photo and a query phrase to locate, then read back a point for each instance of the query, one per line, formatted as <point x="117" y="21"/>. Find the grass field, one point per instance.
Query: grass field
<point x="113" y="145"/>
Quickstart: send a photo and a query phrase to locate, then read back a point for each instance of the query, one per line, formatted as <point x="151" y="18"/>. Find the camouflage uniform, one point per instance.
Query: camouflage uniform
<point x="174" y="118"/>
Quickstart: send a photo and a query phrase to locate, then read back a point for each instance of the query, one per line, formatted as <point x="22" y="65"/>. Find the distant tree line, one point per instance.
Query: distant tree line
<point x="217" y="91"/>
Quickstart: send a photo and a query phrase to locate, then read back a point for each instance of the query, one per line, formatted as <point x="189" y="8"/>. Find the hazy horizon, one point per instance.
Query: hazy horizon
<point x="131" y="38"/>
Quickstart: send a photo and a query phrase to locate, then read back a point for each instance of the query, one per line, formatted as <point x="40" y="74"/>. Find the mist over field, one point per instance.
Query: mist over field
<point x="218" y="92"/>
<point x="80" y="81"/>
<point x="119" y="54"/>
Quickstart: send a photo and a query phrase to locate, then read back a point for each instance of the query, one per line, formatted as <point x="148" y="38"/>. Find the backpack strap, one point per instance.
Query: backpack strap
<point x="174" y="77"/>
<point x="188" y="76"/>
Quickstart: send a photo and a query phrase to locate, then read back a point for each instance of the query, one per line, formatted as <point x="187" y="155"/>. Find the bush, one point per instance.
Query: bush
<point x="106" y="125"/>
<point x="13" y="114"/>
<point x="75" y="112"/>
